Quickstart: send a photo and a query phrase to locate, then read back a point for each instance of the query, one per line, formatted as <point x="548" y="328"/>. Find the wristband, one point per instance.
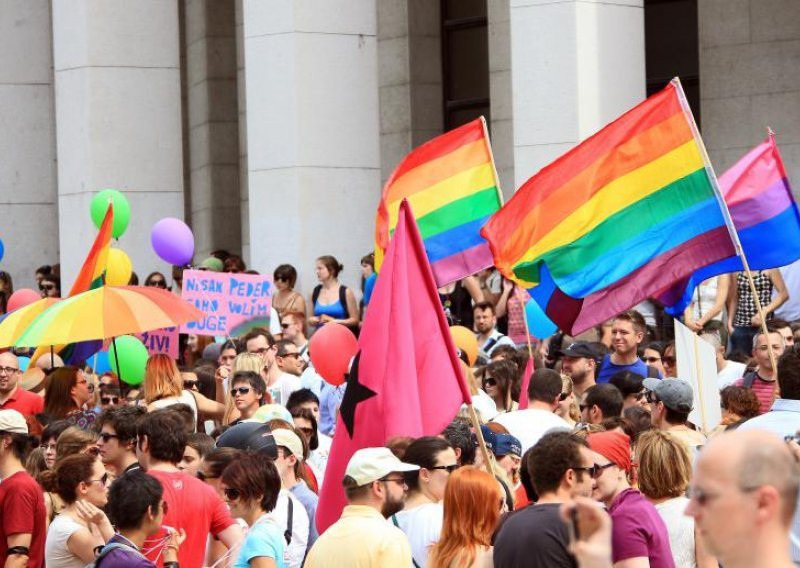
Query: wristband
<point x="22" y="550"/>
<point x="172" y="564"/>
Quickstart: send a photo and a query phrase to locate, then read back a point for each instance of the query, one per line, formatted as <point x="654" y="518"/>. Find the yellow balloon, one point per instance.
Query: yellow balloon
<point x="119" y="268"/>
<point x="466" y="341"/>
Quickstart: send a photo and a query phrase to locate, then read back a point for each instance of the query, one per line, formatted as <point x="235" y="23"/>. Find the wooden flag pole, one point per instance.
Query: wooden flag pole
<point x="487" y="457"/>
<point x="726" y="214"/>
<point x="699" y="372"/>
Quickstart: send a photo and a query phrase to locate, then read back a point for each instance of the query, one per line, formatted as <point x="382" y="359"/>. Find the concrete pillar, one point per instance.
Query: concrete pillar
<point x="410" y="77"/>
<point x="501" y="124"/>
<point x="312" y="133"/>
<point x="244" y="190"/>
<point x="213" y="123"/>
<point x="118" y="116"/>
<point x="28" y="192"/>
<point x="749" y="61"/>
<point x="575" y="66"/>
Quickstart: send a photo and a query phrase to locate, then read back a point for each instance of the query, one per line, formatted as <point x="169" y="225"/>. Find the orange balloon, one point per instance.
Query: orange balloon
<point x="466" y="341"/>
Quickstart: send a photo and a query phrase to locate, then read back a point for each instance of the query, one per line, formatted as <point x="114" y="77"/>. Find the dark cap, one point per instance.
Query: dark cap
<point x="581" y="349"/>
<point x="254" y="436"/>
<point x="506" y="444"/>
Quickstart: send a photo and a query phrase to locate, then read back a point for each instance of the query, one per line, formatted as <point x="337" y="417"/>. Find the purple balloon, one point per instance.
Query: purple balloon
<point x="173" y="241"/>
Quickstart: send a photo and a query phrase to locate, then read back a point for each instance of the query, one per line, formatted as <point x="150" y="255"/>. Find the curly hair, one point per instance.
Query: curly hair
<point x="740" y="401"/>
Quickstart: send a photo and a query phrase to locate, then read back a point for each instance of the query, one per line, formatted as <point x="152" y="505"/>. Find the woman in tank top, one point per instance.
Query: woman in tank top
<point x="327" y="302"/>
<point x="458" y="298"/>
<point x="286" y="298"/>
<point x="743" y="317"/>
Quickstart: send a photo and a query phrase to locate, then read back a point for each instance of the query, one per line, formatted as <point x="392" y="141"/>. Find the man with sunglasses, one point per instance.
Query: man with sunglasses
<point x="639" y="535"/>
<point x="293" y="326"/>
<point x="561" y="467"/>
<point x="742" y="498"/>
<point x="287" y="359"/>
<point x="671" y="401"/>
<point x="375" y="490"/>
<point x="117" y="441"/>
<point x="12" y="396"/>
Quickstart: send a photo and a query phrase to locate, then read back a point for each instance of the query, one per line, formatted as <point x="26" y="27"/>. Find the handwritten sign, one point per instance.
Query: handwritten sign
<point x="161" y="341"/>
<point x="231" y="302"/>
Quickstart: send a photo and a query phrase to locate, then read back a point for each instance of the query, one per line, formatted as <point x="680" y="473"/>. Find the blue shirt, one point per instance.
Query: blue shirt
<point x="609" y="369"/>
<point x="264" y="538"/>
<point x="309" y="499"/>
<point x="330" y="398"/>
<point x="783" y="419"/>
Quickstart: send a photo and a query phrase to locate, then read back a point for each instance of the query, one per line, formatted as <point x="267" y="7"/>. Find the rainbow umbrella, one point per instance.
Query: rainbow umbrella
<point x="14" y="324"/>
<point x="106" y="312"/>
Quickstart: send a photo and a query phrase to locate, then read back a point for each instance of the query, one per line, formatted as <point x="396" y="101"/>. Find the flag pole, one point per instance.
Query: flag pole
<point x="726" y="214"/>
<point x="487" y="458"/>
<point x="699" y="372"/>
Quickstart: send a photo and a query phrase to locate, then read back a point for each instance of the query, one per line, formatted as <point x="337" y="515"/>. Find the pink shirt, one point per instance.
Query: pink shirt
<point x="765" y="392"/>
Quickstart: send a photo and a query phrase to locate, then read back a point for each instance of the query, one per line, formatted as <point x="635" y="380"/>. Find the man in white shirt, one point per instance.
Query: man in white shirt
<point x="293" y="325"/>
<point x="287" y="359"/>
<point x="529" y="425"/>
<point x="486" y="328"/>
<point x="728" y="372"/>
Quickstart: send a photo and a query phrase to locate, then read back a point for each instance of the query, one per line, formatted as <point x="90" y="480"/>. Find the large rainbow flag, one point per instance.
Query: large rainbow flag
<point x="94" y="267"/>
<point x="623" y="216"/>
<point x="764" y="212"/>
<point x="451" y="185"/>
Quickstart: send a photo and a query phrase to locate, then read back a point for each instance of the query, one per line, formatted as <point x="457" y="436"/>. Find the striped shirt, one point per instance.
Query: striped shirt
<point x="765" y="392"/>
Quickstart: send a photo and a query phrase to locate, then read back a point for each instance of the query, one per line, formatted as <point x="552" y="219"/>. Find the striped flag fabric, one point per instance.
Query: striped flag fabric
<point x="764" y="212"/>
<point x="451" y="185"/>
<point x="623" y="216"/>
<point x="94" y="267"/>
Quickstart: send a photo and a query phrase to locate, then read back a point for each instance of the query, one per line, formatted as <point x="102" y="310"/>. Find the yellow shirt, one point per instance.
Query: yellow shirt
<point x="362" y="537"/>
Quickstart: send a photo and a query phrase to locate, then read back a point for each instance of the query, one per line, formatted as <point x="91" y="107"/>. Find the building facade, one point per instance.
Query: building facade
<point x="270" y="125"/>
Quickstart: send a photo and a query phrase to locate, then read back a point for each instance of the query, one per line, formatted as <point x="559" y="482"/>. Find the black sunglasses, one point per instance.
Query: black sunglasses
<point x="106" y="437"/>
<point x="109" y="400"/>
<point x="240" y="390"/>
<point x="284" y="325"/>
<point x="489" y="382"/>
<point x="231" y="493"/>
<point x="562" y="397"/>
<point x="448" y="468"/>
<point x="190" y="384"/>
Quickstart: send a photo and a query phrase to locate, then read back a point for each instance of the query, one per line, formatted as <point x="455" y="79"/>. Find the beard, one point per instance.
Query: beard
<point x="392" y="506"/>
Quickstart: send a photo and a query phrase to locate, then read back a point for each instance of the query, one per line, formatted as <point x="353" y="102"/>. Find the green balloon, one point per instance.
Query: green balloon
<point x="122" y="210"/>
<point x="128" y="358"/>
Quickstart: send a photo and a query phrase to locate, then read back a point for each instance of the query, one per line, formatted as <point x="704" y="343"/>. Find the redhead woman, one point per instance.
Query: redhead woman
<point x="332" y="302"/>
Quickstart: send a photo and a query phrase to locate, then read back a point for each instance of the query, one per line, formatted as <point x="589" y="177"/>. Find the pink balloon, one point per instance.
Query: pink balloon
<point x="331" y="348"/>
<point x="21" y="298"/>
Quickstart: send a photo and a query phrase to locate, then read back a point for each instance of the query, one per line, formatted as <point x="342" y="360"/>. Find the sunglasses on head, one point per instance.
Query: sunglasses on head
<point x="109" y="400"/>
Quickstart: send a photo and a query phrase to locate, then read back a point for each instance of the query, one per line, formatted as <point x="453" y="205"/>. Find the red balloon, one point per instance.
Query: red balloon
<point x="21" y="298"/>
<point x="331" y="348"/>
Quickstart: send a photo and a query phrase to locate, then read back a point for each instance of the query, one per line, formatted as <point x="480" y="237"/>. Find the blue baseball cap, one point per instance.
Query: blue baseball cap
<point x="506" y="444"/>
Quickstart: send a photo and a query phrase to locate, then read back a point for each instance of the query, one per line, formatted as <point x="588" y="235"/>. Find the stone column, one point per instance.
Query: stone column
<point x="749" y="61"/>
<point x="312" y="133"/>
<point x="118" y="116"/>
<point x="575" y="66"/>
<point x="213" y="123"/>
<point x="28" y="191"/>
<point x="502" y="119"/>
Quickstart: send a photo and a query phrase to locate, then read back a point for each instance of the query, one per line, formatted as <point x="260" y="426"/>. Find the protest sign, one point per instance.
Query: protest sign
<point x="697" y="364"/>
<point x="161" y="341"/>
<point x="232" y="303"/>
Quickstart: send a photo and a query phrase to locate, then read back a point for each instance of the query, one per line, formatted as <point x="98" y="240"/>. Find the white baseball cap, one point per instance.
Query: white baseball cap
<point x="12" y="422"/>
<point x="371" y="464"/>
<point x="289" y="439"/>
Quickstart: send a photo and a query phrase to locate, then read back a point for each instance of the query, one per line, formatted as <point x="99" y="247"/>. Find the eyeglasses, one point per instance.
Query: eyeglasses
<point x="448" y="468"/>
<point x="398" y="480"/>
<point x="240" y="390"/>
<point x="285" y="325"/>
<point x="652" y="398"/>
<point x="106" y="437"/>
<point x="668" y="360"/>
<point x="231" y="493"/>
<point x="489" y="382"/>
<point x="103" y="480"/>
<point x="652" y="359"/>
<point x="285" y="355"/>
<point x="591" y="470"/>
<point x="563" y="396"/>
<point x="598" y="469"/>
<point x="8" y="370"/>
<point x="190" y="384"/>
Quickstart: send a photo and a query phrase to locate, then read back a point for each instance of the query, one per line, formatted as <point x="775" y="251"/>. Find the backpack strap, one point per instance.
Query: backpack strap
<point x="749" y="378"/>
<point x="652" y="372"/>
<point x="114" y="546"/>
<point x="315" y="295"/>
<point x="287" y="534"/>
<point x="343" y="299"/>
<point x="395" y="523"/>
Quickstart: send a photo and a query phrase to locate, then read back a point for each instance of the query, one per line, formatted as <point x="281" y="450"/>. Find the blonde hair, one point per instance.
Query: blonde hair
<point x="161" y="378"/>
<point x="665" y="467"/>
<point x="568" y="387"/>
<point x="73" y="440"/>
<point x="244" y="362"/>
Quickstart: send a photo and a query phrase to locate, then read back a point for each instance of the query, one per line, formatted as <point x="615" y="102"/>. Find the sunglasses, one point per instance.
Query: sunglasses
<point x="285" y="355"/>
<point x="563" y="396"/>
<point x="668" y="360"/>
<point x="190" y="384"/>
<point x="48" y="287"/>
<point x="652" y="398"/>
<point x="106" y="437"/>
<point x="102" y="480"/>
<point x="231" y="493"/>
<point x="285" y="325"/>
<point x="490" y="382"/>
<point x="205" y="477"/>
<point x="240" y="390"/>
<point x="652" y="359"/>
<point x="158" y="283"/>
<point x="281" y="279"/>
<point x="448" y="468"/>
<point x="109" y="400"/>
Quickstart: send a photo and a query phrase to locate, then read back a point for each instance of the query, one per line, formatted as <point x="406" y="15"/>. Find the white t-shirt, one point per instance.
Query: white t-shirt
<point x="56" y="553"/>
<point x="732" y="372"/>
<point x="318" y="459"/>
<point x="529" y="425"/>
<point x="285" y="385"/>
<point x="484" y="405"/>
<point x="680" y="529"/>
<point x="274" y="322"/>
<point x="295" y="552"/>
<point x="422" y="526"/>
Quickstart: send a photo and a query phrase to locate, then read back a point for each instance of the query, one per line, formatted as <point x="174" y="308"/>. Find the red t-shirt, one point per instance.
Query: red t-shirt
<point x="22" y="511"/>
<point x="195" y="507"/>
<point x="24" y="402"/>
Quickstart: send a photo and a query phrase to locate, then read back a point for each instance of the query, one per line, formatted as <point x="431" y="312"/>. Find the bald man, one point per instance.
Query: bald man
<point x="743" y="496"/>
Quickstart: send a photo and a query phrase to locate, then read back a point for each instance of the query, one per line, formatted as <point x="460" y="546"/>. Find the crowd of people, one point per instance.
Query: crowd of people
<point x="218" y="458"/>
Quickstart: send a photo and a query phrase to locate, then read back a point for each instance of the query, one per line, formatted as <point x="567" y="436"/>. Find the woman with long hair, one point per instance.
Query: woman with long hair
<point x="81" y="483"/>
<point x="163" y="386"/>
<point x="66" y="395"/>
<point x="286" y="298"/>
<point x="472" y="504"/>
<point x="567" y="403"/>
<point x="665" y="470"/>
<point x="421" y="518"/>
<point x="332" y="302"/>
<point x="498" y="381"/>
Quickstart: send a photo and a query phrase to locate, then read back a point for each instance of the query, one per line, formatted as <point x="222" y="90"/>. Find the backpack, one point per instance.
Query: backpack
<point x="342" y="297"/>
<point x="114" y="546"/>
<point x="749" y="378"/>
<point x="652" y="372"/>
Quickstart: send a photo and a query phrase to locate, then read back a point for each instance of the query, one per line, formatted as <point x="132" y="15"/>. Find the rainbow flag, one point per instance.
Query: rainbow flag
<point x="621" y="217"/>
<point x="764" y="212"/>
<point x="451" y="185"/>
<point x="94" y="267"/>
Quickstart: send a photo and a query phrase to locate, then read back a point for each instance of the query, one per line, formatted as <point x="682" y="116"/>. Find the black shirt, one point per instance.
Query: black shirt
<point x="534" y="537"/>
